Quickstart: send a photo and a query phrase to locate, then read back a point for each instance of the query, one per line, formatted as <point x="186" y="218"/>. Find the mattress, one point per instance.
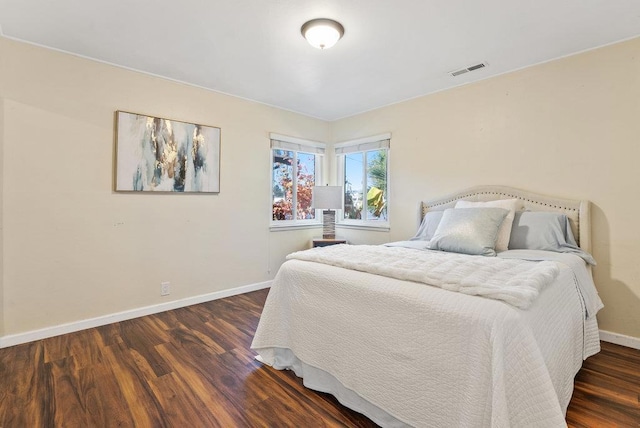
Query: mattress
<point x="409" y="354"/>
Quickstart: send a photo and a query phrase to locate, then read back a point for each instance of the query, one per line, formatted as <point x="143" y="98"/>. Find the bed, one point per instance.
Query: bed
<point x="412" y="335"/>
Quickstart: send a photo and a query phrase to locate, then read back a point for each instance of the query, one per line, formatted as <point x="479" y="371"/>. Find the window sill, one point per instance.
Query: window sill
<point x="293" y="226"/>
<point x="365" y="226"/>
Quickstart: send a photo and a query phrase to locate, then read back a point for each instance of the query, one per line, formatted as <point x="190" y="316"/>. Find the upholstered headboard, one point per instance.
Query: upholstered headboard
<point x="577" y="211"/>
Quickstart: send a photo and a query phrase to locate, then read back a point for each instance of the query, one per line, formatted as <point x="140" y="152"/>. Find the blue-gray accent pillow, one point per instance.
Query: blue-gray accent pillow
<point x="468" y="230"/>
<point x="542" y="230"/>
<point x="428" y="226"/>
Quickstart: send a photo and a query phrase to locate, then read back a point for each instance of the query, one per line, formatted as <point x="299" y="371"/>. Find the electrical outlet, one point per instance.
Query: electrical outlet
<point x="165" y="288"/>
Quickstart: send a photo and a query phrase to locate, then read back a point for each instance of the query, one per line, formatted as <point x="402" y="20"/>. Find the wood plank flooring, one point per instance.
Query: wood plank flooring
<point x="192" y="367"/>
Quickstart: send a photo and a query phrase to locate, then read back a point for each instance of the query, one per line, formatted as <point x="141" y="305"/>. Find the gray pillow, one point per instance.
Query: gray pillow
<point x="541" y="230"/>
<point x="469" y="230"/>
<point x="428" y="226"/>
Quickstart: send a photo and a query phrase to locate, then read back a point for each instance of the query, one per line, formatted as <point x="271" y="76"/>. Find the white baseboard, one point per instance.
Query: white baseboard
<point x="30" y="336"/>
<point x="620" y="339"/>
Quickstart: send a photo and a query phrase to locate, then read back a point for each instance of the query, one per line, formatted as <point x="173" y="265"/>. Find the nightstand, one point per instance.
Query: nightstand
<point x="322" y="242"/>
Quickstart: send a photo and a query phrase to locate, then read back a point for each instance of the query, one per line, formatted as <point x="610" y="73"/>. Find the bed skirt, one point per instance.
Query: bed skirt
<point x="319" y="380"/>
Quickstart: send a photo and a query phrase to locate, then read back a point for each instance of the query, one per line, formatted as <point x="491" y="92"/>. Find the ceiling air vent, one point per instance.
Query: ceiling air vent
<point x="468" y="69"/>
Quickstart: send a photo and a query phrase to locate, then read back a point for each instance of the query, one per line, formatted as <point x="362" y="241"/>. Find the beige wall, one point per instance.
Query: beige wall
<point x="569" y="128"/>
<point x="2" y="311"/>
<point x="73" y="248"/>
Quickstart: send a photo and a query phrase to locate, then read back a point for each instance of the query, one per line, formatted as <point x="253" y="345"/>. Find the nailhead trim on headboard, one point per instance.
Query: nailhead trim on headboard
<point x="576" y="210"/>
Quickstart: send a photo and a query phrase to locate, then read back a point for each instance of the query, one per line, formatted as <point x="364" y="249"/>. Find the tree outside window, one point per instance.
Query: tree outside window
<point x="293" y="178"/>
<point x="365" y="185"/>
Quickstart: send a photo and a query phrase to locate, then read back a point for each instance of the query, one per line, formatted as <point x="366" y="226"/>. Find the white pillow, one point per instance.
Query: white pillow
<point x="468" y="231"/>
<point x="504" y="233"/>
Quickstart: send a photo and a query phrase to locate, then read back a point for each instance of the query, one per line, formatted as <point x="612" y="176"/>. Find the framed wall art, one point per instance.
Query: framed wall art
<point x="163" y="155"/>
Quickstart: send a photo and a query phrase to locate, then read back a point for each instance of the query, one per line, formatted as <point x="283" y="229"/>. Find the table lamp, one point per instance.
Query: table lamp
<point x="328" y="199"/>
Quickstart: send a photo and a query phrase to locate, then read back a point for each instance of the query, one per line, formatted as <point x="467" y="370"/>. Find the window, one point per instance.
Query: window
<point x="296" y="168"/>
<point x="363" y="168"/>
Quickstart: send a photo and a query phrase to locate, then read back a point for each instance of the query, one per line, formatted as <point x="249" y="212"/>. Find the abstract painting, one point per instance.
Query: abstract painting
<point x="163" y="155"/>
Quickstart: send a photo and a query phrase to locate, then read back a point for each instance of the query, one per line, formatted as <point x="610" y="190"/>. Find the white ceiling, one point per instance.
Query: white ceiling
<point x="391" y="50"/>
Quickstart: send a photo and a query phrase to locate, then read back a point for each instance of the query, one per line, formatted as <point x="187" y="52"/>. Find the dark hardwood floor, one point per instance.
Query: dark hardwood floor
<point x="192" y="367"/>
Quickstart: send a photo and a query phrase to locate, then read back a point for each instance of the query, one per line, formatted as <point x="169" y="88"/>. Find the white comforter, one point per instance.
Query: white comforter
<point x="428" y="356"/>
<point x="515" y="281"/>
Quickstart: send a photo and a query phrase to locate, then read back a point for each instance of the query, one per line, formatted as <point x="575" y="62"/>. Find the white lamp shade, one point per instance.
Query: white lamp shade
<point x="327" y="197"/>
<point x="322" y="33"/>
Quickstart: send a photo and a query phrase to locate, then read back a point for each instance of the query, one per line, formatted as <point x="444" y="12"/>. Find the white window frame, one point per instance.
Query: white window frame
<point x="363" y="145"/>
<point x="295" y="145"/>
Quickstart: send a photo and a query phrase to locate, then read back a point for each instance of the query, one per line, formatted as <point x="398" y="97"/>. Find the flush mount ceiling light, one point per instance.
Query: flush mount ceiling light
<point x="322" y="33"/>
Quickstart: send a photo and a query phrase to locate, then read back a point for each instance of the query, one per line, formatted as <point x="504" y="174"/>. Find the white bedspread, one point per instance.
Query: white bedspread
<point x="515" y="281"/>
<point x="427" y="356"/>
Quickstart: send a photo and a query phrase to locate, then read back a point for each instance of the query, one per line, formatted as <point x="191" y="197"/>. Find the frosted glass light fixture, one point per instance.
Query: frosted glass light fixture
<point x="322" y="33"/>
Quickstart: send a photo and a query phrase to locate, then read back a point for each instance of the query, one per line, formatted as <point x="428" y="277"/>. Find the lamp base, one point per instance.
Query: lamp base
<point x="328" y="224"/>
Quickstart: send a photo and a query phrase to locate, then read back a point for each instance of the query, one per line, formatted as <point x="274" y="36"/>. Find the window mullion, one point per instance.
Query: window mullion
<point x="317" y="180"/>
<point x="365" y="207"/>
<point x="339" y="159"/>
<point x="294" y="185"/>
